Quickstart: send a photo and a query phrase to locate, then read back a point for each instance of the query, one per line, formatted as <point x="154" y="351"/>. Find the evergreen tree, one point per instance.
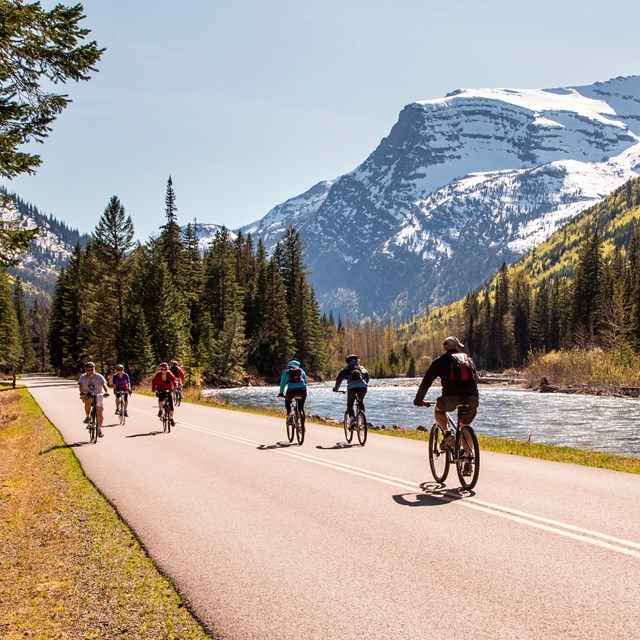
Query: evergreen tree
<point x="39" y="318"/>
<point x="27" y="355"/>
<point x="39" y="49"/>
<point x="170" y="242"/>
<point x="10" y="344"/>
<point x="112" y="243"/>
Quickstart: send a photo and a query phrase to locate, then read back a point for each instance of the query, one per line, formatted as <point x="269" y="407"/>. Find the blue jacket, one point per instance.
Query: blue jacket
<point x="284" y="379"/>
<point x="352" y="384"/>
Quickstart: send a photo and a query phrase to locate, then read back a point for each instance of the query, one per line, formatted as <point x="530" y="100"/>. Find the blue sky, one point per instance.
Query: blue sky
<point x="247" y="103"/>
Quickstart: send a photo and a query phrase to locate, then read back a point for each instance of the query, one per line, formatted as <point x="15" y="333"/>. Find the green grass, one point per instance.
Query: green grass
<point x="69" y="566"/>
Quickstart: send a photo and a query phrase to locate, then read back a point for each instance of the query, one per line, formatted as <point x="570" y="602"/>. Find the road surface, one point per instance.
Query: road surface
<point x="333" y="541"/>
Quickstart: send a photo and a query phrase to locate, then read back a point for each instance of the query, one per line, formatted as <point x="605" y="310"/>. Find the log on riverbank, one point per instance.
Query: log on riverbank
<point x="616" y="391"/>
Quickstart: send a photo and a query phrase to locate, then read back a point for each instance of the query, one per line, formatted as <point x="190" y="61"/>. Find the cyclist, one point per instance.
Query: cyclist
<point x="163" y="383"/>
<point x="295" y="379"/>
<point x="357" y="378"/>
<point x="178" y="373"/>
<point x="121" y="384"/>
<point x="92" y="384"/>
<point x="457" y="373"/>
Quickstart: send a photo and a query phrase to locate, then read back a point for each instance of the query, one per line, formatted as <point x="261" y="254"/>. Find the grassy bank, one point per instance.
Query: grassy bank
<point x="69" y="567"/>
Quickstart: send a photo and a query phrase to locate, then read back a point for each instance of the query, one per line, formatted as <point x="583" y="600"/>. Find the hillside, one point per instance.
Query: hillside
<point x="615" y="222"/>
<point x="48" y="253"/>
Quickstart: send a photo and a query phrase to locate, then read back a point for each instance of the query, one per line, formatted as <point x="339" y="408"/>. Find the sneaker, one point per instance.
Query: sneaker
<point x="100" y="434"/>
<point x="126" y="413"/>
<point x="159" y="414"/>
<point x="86" y="420"/>
<point x="466" y="468"/>
<point x="117" y="412"/>
<point x="448" y="440"/>
<point x="172" y="422"/>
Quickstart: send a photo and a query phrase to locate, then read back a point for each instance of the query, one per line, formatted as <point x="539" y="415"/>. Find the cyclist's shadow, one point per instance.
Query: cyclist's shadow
<point x="435" y="495"/>
<point x="338" y="445"/>
<point x="277" y="445"/>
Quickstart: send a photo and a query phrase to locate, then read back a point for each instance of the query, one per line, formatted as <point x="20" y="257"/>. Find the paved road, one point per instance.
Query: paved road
<point x="269" y="541"/>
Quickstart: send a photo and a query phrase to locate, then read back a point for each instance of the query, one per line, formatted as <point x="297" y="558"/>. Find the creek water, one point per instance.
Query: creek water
<point x="592" y="423"/>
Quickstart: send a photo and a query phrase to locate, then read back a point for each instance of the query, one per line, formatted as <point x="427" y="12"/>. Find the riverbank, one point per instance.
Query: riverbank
<point x="70" y="567"/>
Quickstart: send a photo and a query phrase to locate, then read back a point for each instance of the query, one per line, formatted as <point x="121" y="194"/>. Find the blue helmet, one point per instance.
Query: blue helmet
<point x="293" y="363"/>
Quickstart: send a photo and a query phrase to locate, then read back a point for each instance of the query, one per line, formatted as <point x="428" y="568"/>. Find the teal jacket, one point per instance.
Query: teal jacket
<point x="284" y="379"/>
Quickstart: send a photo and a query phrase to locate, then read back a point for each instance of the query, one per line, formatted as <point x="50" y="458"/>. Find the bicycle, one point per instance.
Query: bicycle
<point x="120" y="395"/>
<point x="359" y="424"/>
<point x="166" y="415"/>
<point x="295" y="426"/>
<point x="461" y="449"/>
<point x="177" y="396"/>
<point x="92" y="425"/>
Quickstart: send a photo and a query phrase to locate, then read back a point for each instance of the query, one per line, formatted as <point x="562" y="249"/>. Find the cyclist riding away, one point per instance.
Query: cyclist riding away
<point x="163" y="383"/>
<point x="177" y="372"/>
<point x="357" y="378"/>
<point x="121" y="385"/>
<point x="295" y="379"/>
<point x="92" y="384"/>
<point x="457" y="372"/>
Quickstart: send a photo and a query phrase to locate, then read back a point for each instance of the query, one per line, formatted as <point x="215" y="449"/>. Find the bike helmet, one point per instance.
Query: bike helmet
<point x="352" y="356"/>
<point x="89" y="365"/>
<point x="163" y="365"/>
<point x="120" y="367"/>
<point x="174" y="362"/>
<point x="293" y="363"/>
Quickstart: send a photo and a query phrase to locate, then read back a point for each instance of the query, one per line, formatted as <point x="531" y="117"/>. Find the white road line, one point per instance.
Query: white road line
<point x="595" y="538"/>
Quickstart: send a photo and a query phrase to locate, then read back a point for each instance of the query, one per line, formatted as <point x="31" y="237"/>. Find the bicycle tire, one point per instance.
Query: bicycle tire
<point x="297" y="419"/>
<point x="166" y="423"/>
<point x="93" y="426"/>
<point x="348" y="431"/>
<point x="472" y="458"/>
<point x="178" y="397"/>
<point x="121" y="410"/>
<point x="291" y="428"/>
<point x="361" y="427"/>
<point x="438" y="457"/>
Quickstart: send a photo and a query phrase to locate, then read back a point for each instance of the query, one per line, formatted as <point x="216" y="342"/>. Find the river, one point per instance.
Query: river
<point x="592" y="423"/>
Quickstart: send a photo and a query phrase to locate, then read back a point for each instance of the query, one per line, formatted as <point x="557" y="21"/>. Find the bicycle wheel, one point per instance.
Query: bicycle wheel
<point x="178" y="397"/>
<point x="166" y="423"/>
<point x="361" y="427"/>
<point x="93" y="426"/>
<point x="348" y="431"/>
<point x="299" y="427"/>
<point x="468" y="461"/>
<point x="438" y="457"/>
<point x="291" y="428"/>
<point x="121" y="409"/>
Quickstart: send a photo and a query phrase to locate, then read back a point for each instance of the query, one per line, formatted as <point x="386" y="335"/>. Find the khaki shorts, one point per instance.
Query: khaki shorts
<point x="450" y="403"/>
<point x="99" y="403"/>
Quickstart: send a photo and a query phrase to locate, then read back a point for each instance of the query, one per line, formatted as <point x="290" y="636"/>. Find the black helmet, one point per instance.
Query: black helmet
<point x="89" y="365"/>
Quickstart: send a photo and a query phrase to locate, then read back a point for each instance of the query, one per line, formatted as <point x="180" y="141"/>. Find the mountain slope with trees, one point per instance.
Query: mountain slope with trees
<point x="578" y="290"/>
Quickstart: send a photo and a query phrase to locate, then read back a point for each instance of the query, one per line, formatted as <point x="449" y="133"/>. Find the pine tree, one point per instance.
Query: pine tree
<point x="112" y="243"/>
<point x="170" y="242"/>
<point x="39" y="319"/>
<point x="10" y="345"/>
<point x="27" y="355"/>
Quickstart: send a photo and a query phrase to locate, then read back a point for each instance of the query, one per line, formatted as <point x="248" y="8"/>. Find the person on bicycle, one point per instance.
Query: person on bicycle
<point x="163" y="383"/>
<point x="457" y="373"/>
<point x="93" y="384"/>
<point x="121" y="385"/>
<point x="295" y="379"/>
<point x="357" y="378"/>
<point x="177" y="372"/>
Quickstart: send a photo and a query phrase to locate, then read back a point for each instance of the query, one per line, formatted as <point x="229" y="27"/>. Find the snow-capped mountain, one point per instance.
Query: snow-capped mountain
<point x="460" y="184"/>
<point x="48" y="252"/>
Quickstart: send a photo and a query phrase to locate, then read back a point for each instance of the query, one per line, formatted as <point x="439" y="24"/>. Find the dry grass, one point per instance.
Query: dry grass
<point x="69" y="567"/>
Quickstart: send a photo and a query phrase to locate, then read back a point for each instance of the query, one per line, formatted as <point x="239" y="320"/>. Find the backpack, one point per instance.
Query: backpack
<point x="355" y="375"/>
<point x="295" y="374"/>
<point x="462" y="368"/>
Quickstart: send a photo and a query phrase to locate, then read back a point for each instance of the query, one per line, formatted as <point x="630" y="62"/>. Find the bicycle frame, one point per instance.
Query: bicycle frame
<point x="464" y="451"/>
